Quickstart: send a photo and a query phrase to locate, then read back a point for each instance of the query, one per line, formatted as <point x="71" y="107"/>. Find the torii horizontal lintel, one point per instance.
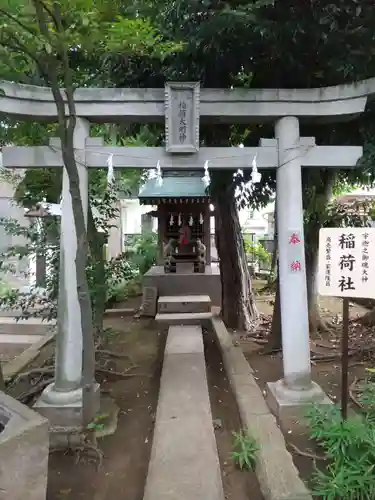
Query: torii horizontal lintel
<point x="218" y="158"/>
<point x="235" y="105"/>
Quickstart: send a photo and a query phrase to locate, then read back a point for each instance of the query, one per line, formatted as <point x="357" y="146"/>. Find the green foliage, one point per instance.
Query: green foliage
<point x="144" y="251"/>
<point x="321" y="213"/>
<point x="98" y="424"/>
<point x="245" y="450"/>
<point x="40" y="236"/>
<point x="256" y="250"/>
<point x="126" y="35"/>
<point x="264" y="44"/>
<point x="350" y="450"/>
<point x="367" y="398"/>
<point x="335" y="214"/>
<point x="120" y="277"/>
<point x="5" y="289"/>
<point x="44" y="38"/>
<point x="135" y="263"/>
<point x="125" y="289"/>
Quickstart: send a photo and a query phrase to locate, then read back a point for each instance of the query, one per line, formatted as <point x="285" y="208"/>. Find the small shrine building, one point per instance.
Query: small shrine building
<point x="184" y="259"/>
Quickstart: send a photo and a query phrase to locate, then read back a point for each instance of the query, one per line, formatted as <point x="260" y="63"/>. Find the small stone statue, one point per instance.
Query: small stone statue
<point x="169" y="260"/>
<point x="200" y="263"/>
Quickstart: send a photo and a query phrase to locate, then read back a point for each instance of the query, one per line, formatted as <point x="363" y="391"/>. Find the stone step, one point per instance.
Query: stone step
<point x="184" y="304"/>
<point x="9" y="338"/>
<point x="32" y="326"/>
<point x="184" y="461"/>
<point x="184" y="318"/>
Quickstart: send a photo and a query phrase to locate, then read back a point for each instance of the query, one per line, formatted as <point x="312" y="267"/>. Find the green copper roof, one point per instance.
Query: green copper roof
<point x="174" y="187"/>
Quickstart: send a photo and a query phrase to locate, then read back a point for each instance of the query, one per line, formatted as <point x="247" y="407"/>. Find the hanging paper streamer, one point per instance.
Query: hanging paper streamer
<point x="171" y="220"/>
<point x="201" y="219"/>
<point x="179" y="220"/>
<point x="110" y="172"/>
<point x="159" y="177"/>
<point x="152" y="173"/>
<point x="255" y="175"/>
<point x="206" y="177"/>
<point x="191" y="220"/>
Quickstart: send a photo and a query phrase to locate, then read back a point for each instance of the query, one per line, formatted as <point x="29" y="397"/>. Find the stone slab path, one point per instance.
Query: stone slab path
<point x="184" y="462"/>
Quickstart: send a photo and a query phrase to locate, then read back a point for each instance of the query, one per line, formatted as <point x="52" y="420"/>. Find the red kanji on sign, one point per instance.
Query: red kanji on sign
<point x="295" y="266"/>
<point x="294" y="239"/>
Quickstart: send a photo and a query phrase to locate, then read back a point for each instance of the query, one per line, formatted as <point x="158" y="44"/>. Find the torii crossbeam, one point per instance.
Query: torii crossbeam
<point x="96" y="155"/>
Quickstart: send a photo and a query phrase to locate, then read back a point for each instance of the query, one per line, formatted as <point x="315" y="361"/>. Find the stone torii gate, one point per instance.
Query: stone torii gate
<point x="183" y="106"/>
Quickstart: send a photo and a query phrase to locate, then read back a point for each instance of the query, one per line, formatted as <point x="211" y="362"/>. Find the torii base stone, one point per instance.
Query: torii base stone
<point x="290" y="406"/>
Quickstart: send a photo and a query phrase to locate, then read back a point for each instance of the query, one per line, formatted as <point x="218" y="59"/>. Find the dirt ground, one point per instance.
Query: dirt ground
<point x="238" y="485"/>
<point x="10" y="351"/>
<point x="268" y="368"/>
<point x="126" y="453"/>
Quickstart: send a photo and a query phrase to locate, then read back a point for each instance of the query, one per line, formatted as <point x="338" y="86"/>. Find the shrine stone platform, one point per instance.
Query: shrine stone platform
<point x="185" y="282"/>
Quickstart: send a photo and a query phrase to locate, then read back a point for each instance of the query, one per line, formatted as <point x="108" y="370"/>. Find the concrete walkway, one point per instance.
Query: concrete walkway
<point x="184" y="462"/>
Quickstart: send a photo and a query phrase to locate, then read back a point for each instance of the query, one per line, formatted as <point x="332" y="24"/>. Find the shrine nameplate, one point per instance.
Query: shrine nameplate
<point x="182" y="117"/>
<point x="149" y="301"/>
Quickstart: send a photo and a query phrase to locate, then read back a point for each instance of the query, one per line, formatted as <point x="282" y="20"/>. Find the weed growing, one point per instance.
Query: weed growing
<point x="349" y="447"/>
<point x="245" y="450"/>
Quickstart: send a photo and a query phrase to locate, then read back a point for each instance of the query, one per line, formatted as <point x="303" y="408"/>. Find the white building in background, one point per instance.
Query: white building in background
<point x="132" y="213"/>
<point x="259" y="222"/>
<point x="10" y="210"/>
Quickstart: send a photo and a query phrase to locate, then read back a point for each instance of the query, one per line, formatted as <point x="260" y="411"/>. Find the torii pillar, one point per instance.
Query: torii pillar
<point x="296" y="388"/>
<point x="61" y="401"/>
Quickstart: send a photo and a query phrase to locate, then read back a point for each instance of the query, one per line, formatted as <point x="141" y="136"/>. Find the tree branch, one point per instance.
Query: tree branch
<point x="20" y="48"/>
<point x="67" y="69"/>
<point x="52" y="76"/>
<point x="50" y="13"/>
<point x="17" y="21"/>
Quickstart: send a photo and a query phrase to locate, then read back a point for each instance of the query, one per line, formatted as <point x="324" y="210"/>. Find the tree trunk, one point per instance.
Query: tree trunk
<point x="315" y="322"/>
<point x="97" y="252"/>
<point x="273" y="269"/>
<point x="238" y="304"/>
<point x="320" y="198"/>
<point x="275" y="338"/>
<point x="2" y="381"/>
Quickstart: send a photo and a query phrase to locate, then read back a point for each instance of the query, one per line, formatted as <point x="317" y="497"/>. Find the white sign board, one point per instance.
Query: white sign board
<point x="347" y="262"/>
